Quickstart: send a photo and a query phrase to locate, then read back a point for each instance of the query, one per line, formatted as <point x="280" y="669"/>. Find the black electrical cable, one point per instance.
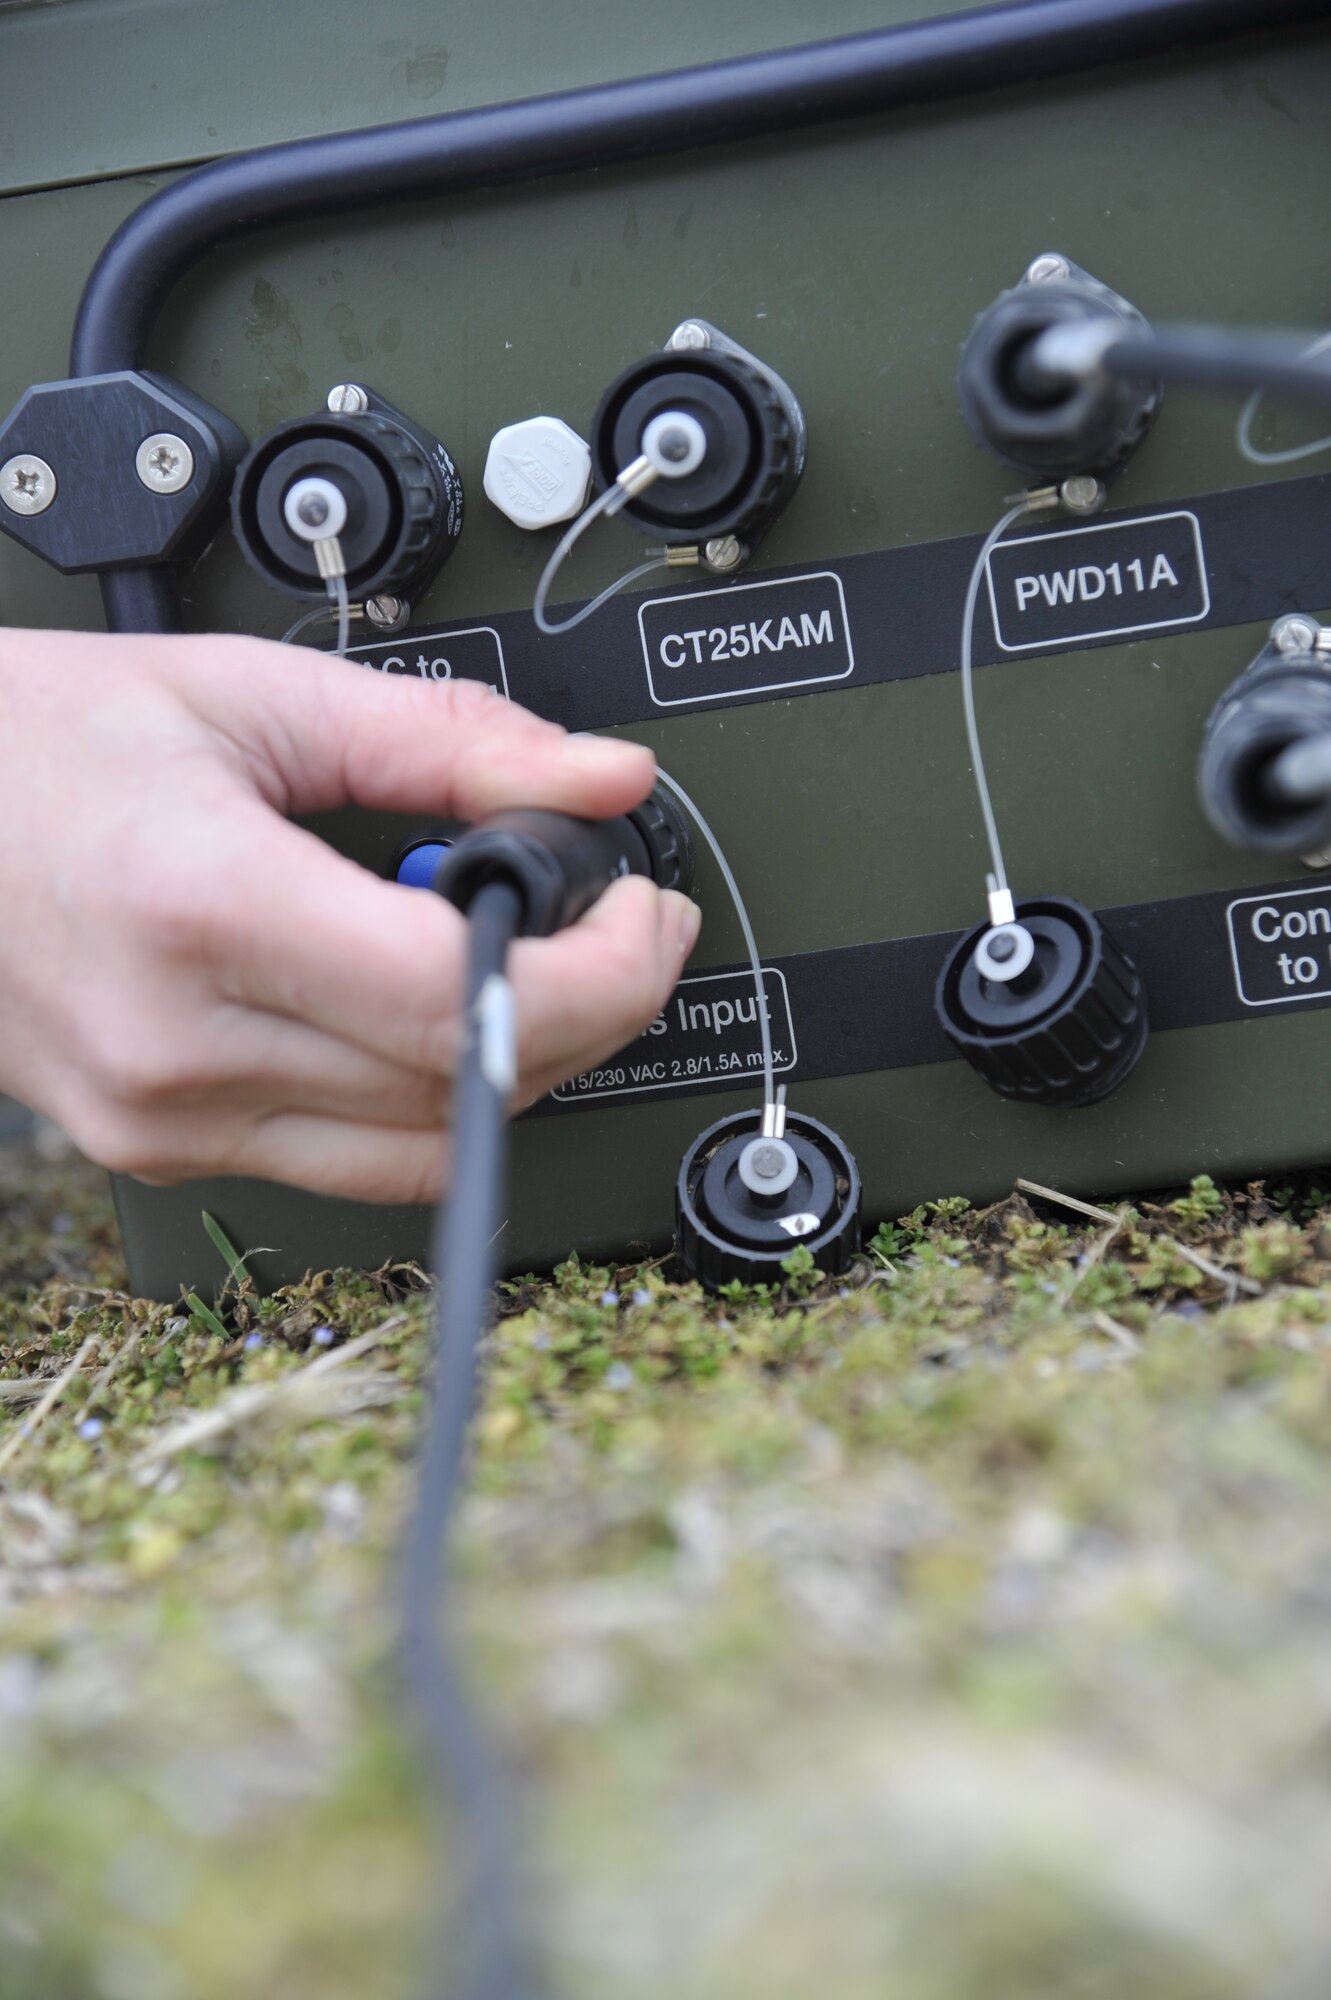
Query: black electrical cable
<point x="1211" y="357"/>
<point x="1301" y="774"/>
<point x="496" y="1963"/>
<point x="1206" y="357"/>
<point x="781" y="91"/>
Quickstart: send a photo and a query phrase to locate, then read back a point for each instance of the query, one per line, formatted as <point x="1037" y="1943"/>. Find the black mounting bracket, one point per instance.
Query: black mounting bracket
<point x="115" y="471"/>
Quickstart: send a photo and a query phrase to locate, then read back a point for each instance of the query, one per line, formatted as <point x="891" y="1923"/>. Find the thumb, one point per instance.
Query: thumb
<point x="320" y="732"/>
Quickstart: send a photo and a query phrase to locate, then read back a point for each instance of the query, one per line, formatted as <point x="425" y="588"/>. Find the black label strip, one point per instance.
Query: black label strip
<point x="858" y="1008"/>
<point x="1226" y="558"/>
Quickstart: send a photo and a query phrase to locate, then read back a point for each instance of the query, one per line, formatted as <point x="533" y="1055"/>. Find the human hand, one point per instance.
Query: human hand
<point x="192" y="985"/>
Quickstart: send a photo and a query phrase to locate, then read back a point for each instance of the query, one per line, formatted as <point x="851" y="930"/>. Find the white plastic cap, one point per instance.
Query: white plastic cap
<point x="538" y="472"/>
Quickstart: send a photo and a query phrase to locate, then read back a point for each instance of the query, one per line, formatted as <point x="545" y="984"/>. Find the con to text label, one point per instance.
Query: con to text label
<point x="1101" y="581"/>
<point x="1281" y="946"/>
<point x="474" y="654"/>
<point x="708" y="1032"/>
<point x="746" y="638"/>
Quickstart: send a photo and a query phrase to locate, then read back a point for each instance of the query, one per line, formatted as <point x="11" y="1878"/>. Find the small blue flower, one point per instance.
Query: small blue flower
<point x="619" y="1376"/>
<point x="91" y="1428"/>
<point x="642" y="1297"/>
<point x="610" y="1298"/>
<point x="253" y="1340"/>
<point x="324" y="1336"/>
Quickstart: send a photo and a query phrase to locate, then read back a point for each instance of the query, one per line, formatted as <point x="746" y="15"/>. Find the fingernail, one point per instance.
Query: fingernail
<point x="688" y="924"/>
<point x="604" y="749"/>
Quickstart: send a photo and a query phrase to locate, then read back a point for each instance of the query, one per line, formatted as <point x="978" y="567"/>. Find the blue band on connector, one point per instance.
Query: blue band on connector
<point x="420" y="864"/>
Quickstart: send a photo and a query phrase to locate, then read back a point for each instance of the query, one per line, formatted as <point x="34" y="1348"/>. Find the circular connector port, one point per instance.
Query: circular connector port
<point x="1088" y="426"/>
<point x="1282" y="700"/>
<point x="1068" y="1029"/>
<point x="741" y="1206"/>
<point x="747" y="467"/>
<point x="402" y="504"/>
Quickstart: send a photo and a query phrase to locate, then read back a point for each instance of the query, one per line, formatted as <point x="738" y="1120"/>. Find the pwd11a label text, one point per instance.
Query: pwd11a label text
<point x="1105" y="580"/>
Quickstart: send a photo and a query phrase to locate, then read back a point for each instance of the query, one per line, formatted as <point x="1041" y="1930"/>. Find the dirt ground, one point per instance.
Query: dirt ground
<point x="961" y="1632"/>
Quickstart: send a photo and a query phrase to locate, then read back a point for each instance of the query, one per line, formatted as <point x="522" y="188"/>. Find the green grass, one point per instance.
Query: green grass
<point x="963" y="1633"/>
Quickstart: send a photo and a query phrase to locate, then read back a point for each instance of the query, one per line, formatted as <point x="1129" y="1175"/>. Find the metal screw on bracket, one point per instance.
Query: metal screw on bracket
<point x="348" y="399"/>
<point x="387" y="612"/>
<point x="1296" y="632"/>
<point x="164" y="463"/>
<point x="724" y="552"/>
<point x="27" y="484"/>
<point x="688" y="334"/>
<point x="1082" y="494"/>
<point x="1047" y="269"/>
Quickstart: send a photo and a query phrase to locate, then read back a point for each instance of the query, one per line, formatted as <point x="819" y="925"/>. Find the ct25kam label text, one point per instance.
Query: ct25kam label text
<point x="745" y="638"/>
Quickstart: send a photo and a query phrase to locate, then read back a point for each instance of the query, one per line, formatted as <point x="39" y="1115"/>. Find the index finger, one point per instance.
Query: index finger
<point x="318" y="732"/>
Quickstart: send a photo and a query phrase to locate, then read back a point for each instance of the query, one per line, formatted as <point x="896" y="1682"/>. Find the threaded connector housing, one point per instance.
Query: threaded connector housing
<point x="1069" y="1030"/>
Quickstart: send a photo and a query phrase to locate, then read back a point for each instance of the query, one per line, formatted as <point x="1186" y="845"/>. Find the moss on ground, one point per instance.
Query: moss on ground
<point x="963" y="1631"/>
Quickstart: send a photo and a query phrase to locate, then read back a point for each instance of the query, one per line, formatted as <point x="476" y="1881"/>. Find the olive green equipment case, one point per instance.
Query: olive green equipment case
<point x="853" y="257"/>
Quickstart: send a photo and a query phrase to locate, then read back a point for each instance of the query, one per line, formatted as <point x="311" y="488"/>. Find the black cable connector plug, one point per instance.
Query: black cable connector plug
<point x="1052" y="425"/>
<point x="1263" y="777"/>
<point x="560" y="865"/>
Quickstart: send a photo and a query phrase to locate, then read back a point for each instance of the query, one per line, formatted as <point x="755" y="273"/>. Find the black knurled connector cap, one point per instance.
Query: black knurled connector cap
<point x="752" y="463"/>
<point x="560" y="864"/>
<point x="723" y="1232"/>
<point x="404" y="502"/>
<point x="664" y="826"/>
<point x="1068" y="1033"/>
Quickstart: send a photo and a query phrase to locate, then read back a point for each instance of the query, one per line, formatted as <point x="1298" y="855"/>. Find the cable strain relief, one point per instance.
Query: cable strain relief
<point x="501" y="854"/>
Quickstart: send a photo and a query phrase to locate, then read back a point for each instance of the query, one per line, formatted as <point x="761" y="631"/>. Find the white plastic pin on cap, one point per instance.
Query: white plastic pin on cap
<point x="674" y="444"/>
<point x="1003" y="954"/>
<point x="537" y="472"/>
<point x="315" y="510"/>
